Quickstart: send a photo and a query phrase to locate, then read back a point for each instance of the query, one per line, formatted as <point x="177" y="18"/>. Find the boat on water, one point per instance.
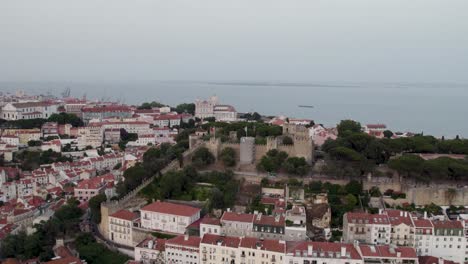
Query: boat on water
<point x="306" y="106"/>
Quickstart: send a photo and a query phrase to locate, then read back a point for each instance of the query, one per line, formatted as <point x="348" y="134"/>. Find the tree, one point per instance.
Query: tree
<point x="346" y="127"/>
<point x="186" y="108"/>
<point x="272" y="161"/>
<point x="354" y="187"/>
<point x="388" y="134"/>
<point x="147" y="105"/>
<point x="228" y="157"/>
<point x="95" y="207"/>
<point x="65" y="118"/>
<point x="296" y="166"/>
<point x="375" y="192"/>
<point x="350" y="201"/>
<point x="287" y="140"/>
<point x="407" y="164"/>
<point x="34" y="143"/>
<point x="202" y="157"/>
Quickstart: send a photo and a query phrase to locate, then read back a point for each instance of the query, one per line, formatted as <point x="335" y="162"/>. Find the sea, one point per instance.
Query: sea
<point x="439" y="109"/>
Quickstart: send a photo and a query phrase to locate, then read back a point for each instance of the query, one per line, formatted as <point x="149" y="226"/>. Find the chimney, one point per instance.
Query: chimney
<point x="380" y="211"/>
<point x="228" y="210"/>
<point x="441" y="261"/>
<point x="343" y="251"/>
<point x="398" y="254"/>
<point x="401" y="213"/>
<point x="425" y="214"/>
<point x="310" y="249"/>
<point x="186" y="237"/>
<point x="150" y="244"/>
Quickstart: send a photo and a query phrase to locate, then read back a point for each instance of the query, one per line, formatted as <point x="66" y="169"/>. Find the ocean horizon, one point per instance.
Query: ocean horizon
<point x="432" y="108"/>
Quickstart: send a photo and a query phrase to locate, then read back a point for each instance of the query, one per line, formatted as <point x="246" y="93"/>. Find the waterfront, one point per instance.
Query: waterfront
<point x="437" y="108"/>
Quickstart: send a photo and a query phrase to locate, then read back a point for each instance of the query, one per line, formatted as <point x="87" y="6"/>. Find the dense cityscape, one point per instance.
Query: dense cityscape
<point x="92" y="181"/>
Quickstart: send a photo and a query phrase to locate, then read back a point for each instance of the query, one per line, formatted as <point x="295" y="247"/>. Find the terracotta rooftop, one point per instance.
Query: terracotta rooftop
<point x="323" y="249"/>
<point x="210" y="221"/>
<point x="366" y="218"/>
<point x="385" y="251"/>
<point x="224" y="241"/>
<point x="190" y="241"/>
<point x="125" y="215"/>
<point x="171" y="208"/>
<point x="433" y="260"/>
<point x="158" y="243"/>
<point x="448" y="224"/>
<point x="237" y="217"/>
<point x="266" y="244"/>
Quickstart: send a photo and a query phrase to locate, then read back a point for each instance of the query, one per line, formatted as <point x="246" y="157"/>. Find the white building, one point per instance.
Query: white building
<point x="121" y="226"/>
<point x="322" y="253"/>
<point x="183" y="250"/>
<point x="449" y="241"/>
<point x="387" y="254"/>
<point x="28" y="110"/>
<point x="442" y="239"/>
<point x="170" y="120"/>
<point x="219" y="249"/>
<point x="205" y="108"/>
<point x="151" y="251"/>
<point x="10" y="140"/>
<point x="209" y="225"/>
<point x="225" y="113"/>
<point x="212" y="108"/>
<point x="91" y="135"/>
<point x="366" y="228"/>
<point x="168" y="217"/>
<point x="135" y="127"/>
<point x="54" y="145"/>
<point x="237" y="224"/>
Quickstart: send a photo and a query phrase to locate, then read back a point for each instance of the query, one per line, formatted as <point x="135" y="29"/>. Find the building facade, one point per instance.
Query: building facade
<point x="168" y="217"/>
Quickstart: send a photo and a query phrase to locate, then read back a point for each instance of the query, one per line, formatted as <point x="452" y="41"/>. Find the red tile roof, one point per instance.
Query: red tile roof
<point x="376" y="126"/>
<point x="448" y="224"/>
<point x="237" y="217"/>
<point x="125" y="215"/>
<point x="224" y="241"/>
<point x="95" y="182"/>
<point x="210" y="221"/>
<point x="67" y="260"/>
<point x="110" y="108"/>
<point x="323" y="247"/>
<point x="158" y="244"/>
<point x="385" y="251"/>
<point x="433" y="260"/>
<point x="171" y="208"/>
<point x="269" y="220"/>
<point x="422" y="223"/>
<point x="190" y="241"/>
<point x="367" y="218"/>
<point x="267" y="244"/>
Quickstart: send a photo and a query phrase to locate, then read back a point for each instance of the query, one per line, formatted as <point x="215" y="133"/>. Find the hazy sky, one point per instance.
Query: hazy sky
<point x="288" y="40"/>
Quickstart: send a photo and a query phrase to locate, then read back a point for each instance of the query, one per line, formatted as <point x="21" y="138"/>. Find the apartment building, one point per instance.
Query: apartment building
<point x="366" y="228"/>
<point x="168" y="217"/>
<point x="121" y="227"/>
<point x="183" y="250"/>
<point x="308" y="252"/>
<point x="151" y="251"/>
<point x="237" y="224"/>
<point x="443" y="239"/>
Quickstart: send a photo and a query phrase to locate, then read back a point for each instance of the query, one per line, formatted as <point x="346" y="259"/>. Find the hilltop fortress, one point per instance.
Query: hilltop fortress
<point x="247" y="152"/>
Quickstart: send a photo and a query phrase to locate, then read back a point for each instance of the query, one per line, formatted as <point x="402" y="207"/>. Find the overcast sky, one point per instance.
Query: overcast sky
<point x="293" y="40"/>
